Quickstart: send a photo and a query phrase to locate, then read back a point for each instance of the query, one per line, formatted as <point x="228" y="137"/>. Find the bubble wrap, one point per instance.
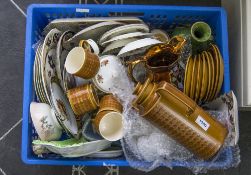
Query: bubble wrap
<point x="146" y="147"/>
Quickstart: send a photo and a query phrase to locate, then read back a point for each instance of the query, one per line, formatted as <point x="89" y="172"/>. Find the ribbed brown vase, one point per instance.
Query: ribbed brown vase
<point x="179" y="117"/>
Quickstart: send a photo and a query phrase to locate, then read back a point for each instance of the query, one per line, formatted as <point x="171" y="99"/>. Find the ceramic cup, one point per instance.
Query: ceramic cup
<point x="109" y="102"/>
<point x="81" y="62"/>
<point x="83" y="99"/>
<point x="109" y="74"/>
<point x="109" y="125"/>
<point x="143" y="90"/>
<point x="45" y="121"/>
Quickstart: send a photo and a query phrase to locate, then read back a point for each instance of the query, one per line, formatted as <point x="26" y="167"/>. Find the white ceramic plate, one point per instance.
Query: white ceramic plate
<point x="69" y="81"/>
<point x="160" y="35"/>
<point x="61" y="51"/>
<point x="62" y="108"/>
<point x="123" y="30"/>
<point x="73" y="147"/>
<point x="48" y="67"/>
<point x="36" y="71"/>
<point x="114" y="47"/>
<point x="76" y="24"/>
<point x="108" y="153"/>
<point x="137" y="35"/>
<point x="93" y="32"/>
<point x="38" y="76"/>
<point x="137" y="46"/>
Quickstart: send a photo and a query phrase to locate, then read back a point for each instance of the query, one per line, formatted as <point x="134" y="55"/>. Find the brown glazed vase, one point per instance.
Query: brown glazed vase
<point x="181" y="118"/>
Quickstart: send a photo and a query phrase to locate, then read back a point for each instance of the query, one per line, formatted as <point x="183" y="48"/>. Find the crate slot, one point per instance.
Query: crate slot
<point x="126" y="14"/>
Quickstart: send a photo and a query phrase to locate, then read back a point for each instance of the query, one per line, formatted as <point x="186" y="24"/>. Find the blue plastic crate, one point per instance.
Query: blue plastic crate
<point x="165" y="17"/>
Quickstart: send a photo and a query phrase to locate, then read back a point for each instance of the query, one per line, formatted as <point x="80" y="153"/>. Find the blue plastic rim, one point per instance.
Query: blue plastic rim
<point x="165" y="17"/>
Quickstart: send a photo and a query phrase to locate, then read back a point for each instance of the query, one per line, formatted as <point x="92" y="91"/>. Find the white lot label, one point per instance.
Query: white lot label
<point x="82" y="10"/>
<point x="202" y="123"/>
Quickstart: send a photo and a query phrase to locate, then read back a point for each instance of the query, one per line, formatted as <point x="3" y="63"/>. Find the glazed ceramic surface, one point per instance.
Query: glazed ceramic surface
<point x="199" y="78"/>
<point x="45" y="121"/>
<point x="188" y="75"/>
<point x="83" y="99"/>
<point x="82" y="62"/>
<point x="123" y="30"/>
<point x="76" y="24"/>
<point x="88" y="131"/>
<point x="74" y="147"/>
<point x="63" y="109"/>
<point x="160" y="35"/>
<point x="48" y="60"/>
<point x="205" y="78"/>
<point x="137" y="35"/>
<point x="62" y="52"/>
<point x="93" y="32"/>
<point x="108" y="153"/>
<point x="69" y="81"/>
<point x="138" y="46"/>
<point x="110" y="125"/>
<point x="116" y="46"/>
<point x="108" y="75"/>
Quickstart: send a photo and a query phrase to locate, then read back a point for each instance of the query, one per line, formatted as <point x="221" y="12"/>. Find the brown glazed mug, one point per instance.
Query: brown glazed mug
<point x="83" y="99"/>
<point x="82" y="63"/>
<point x="110" y="103"/>
<point x="181" y="118"/>
<point x="109" y="125"/>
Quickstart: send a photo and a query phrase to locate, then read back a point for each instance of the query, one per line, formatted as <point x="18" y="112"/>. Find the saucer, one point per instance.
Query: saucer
<point x="108" y="153"/>
<point x="138" y="46"/>
<point x="93" y="32"/>
<point x="115" y="47"/>
<point x="62" y="108"/>
<point x="123" y="30"/>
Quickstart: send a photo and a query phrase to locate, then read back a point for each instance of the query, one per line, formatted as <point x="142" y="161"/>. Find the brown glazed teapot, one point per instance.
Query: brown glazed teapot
<point x="180" y="117"/>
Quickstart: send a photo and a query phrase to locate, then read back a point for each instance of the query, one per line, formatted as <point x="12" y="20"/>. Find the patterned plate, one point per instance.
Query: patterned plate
<point x="61" y="53"/>
<point x="62" y="108"/>
<point x="125" y="29"/>
<point x="37" y="76"/>
<point x="93" y="32"/>
<point x="48" y="61"/>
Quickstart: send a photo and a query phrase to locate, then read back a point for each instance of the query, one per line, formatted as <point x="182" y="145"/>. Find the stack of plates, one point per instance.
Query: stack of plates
<point x="37" y="78"/>
<point x="45" y="65"/>
<point x="204" y="75"/>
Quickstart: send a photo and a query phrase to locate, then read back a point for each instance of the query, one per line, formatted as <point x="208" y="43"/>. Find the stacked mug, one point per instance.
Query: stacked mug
<point x="108" y="121"/>
<point x="83" y="63"/>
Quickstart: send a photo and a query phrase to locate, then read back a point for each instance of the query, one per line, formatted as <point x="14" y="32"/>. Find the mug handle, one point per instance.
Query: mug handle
<point x="90" y="45"/>
<point x="84" y="44"/>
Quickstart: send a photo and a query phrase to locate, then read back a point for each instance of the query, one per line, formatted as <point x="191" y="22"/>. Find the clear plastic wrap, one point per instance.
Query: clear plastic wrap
<point x="146" y="147"/>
